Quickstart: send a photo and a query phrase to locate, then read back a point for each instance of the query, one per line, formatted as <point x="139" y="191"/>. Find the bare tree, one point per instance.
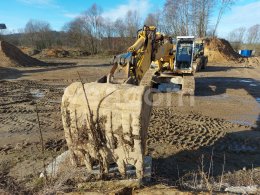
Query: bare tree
<point x="241" y="34"/>
<point x="187" y="16"/>
<point x="38" y="34"/>
<point x="155" y="19"/>
<point x="205" y="8"/>
<point x="224" y="5"/>
<point x="120" y="27"/>
<point x="236" y="37"/>
<point x="92" y="24"/>
<point x="171" y="17"/>
<point x="76" y="36"/>
<point x="132" y="20"/>
<point x="253" y="34"/>
<point x="151" y="20"/>
<point x="108" y="29"/>
<point x="121" y="33"/>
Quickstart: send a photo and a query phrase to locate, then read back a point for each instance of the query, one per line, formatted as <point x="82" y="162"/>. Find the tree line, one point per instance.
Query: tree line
<point x="242" y="35"/>
<point x="94" y="33"/>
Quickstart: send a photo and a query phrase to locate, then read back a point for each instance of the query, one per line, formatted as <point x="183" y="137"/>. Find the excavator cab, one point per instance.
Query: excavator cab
<point x="184" y="53"/>
<point x="179" y="77"/>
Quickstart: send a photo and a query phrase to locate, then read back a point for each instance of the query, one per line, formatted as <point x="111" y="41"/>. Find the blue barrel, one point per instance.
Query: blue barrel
<point x="246" y="53"/>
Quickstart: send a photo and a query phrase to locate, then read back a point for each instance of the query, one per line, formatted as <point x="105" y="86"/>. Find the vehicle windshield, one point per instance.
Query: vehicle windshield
<point x="184" y="51"/>
<point x="184" y="54"/>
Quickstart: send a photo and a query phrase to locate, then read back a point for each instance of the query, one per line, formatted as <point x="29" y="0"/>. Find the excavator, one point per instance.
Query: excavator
<point x="153" y="60"/>
<point x="107" y="120"/>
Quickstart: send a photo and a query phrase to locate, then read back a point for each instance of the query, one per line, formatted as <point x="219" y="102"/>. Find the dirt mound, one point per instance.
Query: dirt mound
<point x="253" y="61"/>
<point x="220" y="50"/>
<point x="50" y="53"/>
<point x="62" y="53"/>
<point x="11" y="56"/>
<point x="29" y="51"/>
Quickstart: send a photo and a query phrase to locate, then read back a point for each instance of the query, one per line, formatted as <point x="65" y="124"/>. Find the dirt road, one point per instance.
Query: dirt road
<point x="222" y="118"/>
<point x="223" y="121"/>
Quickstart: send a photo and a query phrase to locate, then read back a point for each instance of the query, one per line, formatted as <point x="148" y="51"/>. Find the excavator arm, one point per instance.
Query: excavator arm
<point x="130" y="67"/>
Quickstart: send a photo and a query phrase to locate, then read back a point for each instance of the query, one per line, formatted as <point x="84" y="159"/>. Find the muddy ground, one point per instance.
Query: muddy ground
<point x="216" y="132"/>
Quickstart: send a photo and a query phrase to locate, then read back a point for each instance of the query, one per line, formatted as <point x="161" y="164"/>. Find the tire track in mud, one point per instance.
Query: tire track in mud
<point x="178" y="142"/>
<point x="17" y="106"/>
<point x="170" y="132"/>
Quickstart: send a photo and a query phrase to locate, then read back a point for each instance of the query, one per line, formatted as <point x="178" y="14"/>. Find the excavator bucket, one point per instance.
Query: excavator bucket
<point x="107" y="123"/>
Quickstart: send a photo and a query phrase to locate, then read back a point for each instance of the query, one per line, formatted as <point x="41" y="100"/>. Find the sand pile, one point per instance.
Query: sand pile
<point x="253" y="61"/>
<point x="220" y="50"/>
<point x="54" y="53"/>
<point x="63" y="53"/>
<point x="29" y="51"/>
<point x="11" y="56"/>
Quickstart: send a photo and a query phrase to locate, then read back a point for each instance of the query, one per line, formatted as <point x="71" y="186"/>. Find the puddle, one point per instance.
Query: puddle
<point x="253" y="85"/>
<point x="36" y="93"/>
<point x="221" y="96"/>
<point x="240" y="122"/>
<point x="55" y="101"/>
<point x="243" y="148"/>
<point x="245" y="81"/>
<point x="238" y="147"/>
<point x="61" y="88"/>
<point x="217" y="97"/>
<point x="168" y="87"/>
<point x="258" y="99"/>
<point x="14" y="79"/>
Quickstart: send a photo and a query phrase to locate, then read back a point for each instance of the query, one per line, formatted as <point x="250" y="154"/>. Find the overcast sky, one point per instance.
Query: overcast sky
<point x="16" y="13"/>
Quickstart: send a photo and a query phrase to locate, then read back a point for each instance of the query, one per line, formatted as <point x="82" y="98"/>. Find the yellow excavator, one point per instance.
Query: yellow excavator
<point x="154" y="60"/>
<point x="107" y="120"/>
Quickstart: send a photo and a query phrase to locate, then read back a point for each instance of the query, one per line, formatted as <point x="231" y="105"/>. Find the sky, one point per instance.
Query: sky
<point x="16" y="13"/>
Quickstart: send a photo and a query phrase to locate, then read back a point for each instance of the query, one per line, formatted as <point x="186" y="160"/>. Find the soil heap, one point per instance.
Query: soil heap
<point x="220" y="50"/>
<point x="11" y="56"/>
